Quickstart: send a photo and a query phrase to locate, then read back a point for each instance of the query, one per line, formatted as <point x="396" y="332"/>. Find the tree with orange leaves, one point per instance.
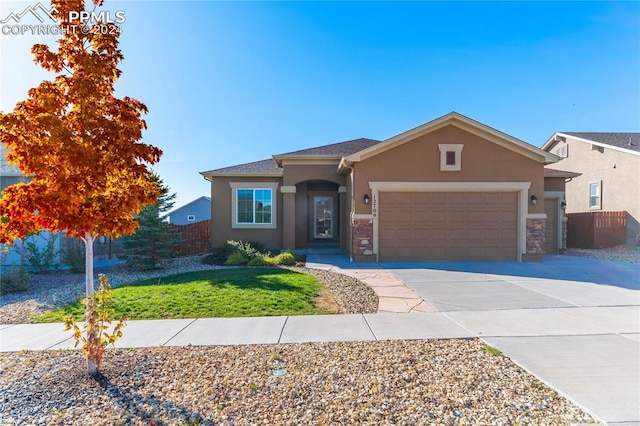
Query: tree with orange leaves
<point x="79" y="143"/>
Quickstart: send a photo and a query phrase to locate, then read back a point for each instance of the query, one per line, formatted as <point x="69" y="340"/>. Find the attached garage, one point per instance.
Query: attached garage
<point x="480" y="226"/>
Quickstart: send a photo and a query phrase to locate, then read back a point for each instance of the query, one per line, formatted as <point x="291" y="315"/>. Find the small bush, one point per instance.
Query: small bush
<point x="73" y="255"/>
<point x="219" y="255"/>
<point x="236" y="259"/>
<point x="285" y="258"/>
<point x="98" y="331"/>
<point x="245" y="249"/>
<point x="262" y="261"/>
<point x="13" y="281"/>
<point x="260" y="247"/>
<point x="42" y="259"/>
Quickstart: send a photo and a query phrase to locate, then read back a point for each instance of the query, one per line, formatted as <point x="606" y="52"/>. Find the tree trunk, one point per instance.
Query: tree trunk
<point x="22" y="255"/>
<point x="88" y="266"/>
<point x="92" y="367"/>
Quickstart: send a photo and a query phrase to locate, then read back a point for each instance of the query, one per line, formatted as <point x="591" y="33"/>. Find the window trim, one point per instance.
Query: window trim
<point x="599" y="205"/>
<point x="448" y="147"/>
<point x="235" y="186"/>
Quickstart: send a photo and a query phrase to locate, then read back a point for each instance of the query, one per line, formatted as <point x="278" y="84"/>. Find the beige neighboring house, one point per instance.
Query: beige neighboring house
<point x="450" y="189"/>
<point x="10" y="175"/>
<point x="609" y="167"/>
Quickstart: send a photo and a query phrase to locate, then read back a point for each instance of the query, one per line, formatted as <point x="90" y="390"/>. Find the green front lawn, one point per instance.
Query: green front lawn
<point x="241" y="292"/>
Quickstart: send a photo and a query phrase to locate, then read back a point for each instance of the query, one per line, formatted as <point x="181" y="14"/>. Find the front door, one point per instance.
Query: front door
<point x="323" y="217"/>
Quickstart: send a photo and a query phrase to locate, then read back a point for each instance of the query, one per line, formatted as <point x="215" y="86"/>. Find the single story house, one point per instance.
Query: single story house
<point x="609" y="166"/>
<point x="450" y="189"/>
<point x="197" y="210"/>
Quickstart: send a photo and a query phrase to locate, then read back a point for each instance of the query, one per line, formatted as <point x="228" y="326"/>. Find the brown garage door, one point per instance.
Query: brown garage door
<point x="448" y="225"/>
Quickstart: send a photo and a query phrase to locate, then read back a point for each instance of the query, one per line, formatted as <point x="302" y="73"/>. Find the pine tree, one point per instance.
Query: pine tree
<point x="155" y="240"/>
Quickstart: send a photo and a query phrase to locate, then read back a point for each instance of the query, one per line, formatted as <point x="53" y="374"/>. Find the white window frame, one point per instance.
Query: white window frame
<point x="599" y="196"/>
<point x="235" y="186"/>
<point x="563" y="151"/>
<point x="191" y="218"/>
<point x="449" y="147"/>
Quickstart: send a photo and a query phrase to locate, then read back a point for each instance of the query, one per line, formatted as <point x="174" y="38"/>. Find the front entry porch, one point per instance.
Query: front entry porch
<point x="314" y="216"/>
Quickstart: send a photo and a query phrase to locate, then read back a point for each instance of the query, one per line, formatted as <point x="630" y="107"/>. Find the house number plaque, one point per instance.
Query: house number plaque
<point x="374" y="205"/>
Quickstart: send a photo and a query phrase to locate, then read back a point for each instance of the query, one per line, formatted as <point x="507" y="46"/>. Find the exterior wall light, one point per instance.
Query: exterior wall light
<point x="563" y="205"/>
<point x="534" y="200"/>
<point x="366" y="199"/>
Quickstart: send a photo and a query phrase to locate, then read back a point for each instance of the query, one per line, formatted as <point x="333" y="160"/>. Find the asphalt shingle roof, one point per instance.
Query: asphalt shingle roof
<point x="620" y="140"/>
<point x="255" y="167"/>
<point x="339" y="149"/>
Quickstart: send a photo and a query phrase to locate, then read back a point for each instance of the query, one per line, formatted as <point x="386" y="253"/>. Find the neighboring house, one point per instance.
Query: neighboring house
<point x="609" y="164"/>
<point x="11" y="254"/>
<point x="195" y="211"/>
<point x="450" y="189"/>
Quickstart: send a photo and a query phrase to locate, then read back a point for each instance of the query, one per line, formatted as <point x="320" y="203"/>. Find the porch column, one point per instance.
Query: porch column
<point x="342" y="203"/>
<point x="288" y="217"/>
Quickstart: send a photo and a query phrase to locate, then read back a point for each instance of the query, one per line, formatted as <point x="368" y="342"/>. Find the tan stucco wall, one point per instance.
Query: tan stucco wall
<point x="419" y="160"/>
<point x="620" y="184"/>
<point x="221" y="229"/>
<point x="554" y="184"/>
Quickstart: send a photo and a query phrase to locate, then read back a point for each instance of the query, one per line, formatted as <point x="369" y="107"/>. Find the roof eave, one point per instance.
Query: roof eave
<point x="279" y="159"/>
<point x="464" y="123"/>
<point x="239" y="174"/>
<point x="589" y="141"/>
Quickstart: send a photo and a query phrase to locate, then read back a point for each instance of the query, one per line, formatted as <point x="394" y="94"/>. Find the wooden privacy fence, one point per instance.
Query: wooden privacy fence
<point x="596" y="229"/>
<point x="195" y="238"/>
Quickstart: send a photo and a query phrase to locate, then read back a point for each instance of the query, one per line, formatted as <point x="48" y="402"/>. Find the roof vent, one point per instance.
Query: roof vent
<point x="630" y="142"/>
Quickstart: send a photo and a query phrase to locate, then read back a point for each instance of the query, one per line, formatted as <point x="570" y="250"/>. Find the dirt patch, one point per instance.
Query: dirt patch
<point x="325" y="301"/>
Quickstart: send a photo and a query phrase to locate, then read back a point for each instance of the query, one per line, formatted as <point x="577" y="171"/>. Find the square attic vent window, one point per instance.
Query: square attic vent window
<point x="191" y="218"/>
<point x="450" y="157"/>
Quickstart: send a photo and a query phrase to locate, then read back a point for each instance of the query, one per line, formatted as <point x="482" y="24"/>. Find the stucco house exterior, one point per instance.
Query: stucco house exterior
<point x="609" y="167"/>
<point x="197" y="210"/>
<point x="450" y="189"/>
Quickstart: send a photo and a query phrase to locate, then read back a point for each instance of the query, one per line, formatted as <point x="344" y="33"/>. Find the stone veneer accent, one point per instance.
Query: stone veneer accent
<point x="362" y="236"/>
<point x="564" y="232"/>
<point x="535" y="236"/>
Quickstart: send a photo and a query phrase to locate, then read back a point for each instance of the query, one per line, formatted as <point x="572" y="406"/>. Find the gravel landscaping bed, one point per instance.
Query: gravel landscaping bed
<point x="385" y="382"/>
<point x="625" y="253"/>
<point x="48" y="291"/>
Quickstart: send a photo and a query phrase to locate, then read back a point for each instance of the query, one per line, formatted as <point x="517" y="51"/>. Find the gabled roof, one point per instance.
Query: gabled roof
<point x="204" y="197"/>
<point x="272" y="166"/>
<point x="548" y="172"/>
<point x="626" y="142"/>
<point x="266" y="167"/>
<point x="465" y="123"/>
<point x="331" y="152"/>
<point x="339" y="149"/>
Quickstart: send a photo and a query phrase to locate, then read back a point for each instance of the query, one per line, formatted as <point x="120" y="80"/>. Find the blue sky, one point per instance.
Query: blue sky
<point x="233" y="82"/>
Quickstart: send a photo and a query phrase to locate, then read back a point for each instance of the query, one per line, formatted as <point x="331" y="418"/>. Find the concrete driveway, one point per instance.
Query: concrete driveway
<point x="573" y="322"/>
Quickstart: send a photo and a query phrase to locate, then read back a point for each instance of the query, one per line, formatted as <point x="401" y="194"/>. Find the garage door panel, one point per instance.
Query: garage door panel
<point x="421" y="216"/>
<point x="448" y="226"/>
<point x="403" y="198"/>
<point x="438" y="198"/>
